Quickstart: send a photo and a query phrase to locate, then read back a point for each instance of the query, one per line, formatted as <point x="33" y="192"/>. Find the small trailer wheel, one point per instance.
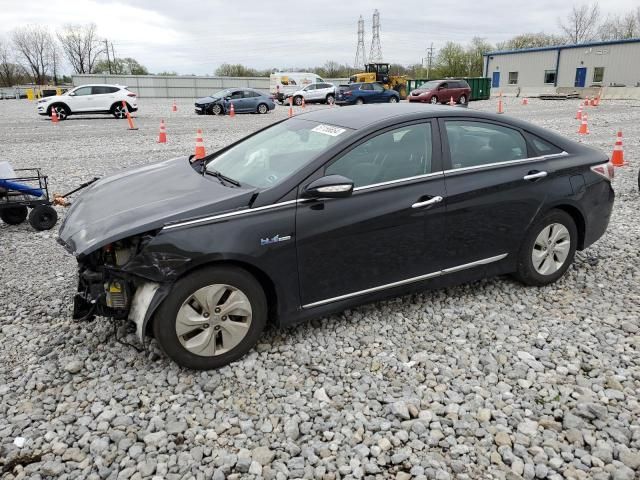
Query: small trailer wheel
<point x="14" y="215"/>
<point x="43" y="217"/>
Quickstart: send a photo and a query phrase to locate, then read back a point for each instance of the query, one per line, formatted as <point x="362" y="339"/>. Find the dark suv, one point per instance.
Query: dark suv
<point x="441" y="91"/>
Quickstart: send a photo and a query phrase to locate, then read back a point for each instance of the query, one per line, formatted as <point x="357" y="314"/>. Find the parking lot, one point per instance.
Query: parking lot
<point x="486" y="380"/>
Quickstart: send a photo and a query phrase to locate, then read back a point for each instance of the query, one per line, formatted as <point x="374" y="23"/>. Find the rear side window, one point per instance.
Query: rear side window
<point x="250" y="94"/>
<point x="541" y="146"/>
<point x="473" y="144"/>
<point x="393" y="155"/>
<point x="366" y="86"/>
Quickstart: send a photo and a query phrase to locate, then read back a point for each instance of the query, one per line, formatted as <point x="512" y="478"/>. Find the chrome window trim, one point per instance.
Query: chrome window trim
<point x="484" y="261"/>
<point x="399" y="180"/>
<point x="508" y="162"/>
<point x="222" y="216"/>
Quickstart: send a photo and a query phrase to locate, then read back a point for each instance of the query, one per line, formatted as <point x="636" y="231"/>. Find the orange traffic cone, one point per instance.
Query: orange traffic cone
<point x="290" y="107"/>
<point x="500" y="106"/>
<point x="584" y="128"/>
<point x="579" y="113"/>
<point x="129" y="119"/>
<point x="525" y="101"/>
<point x="617" y="157"/>
<point x="162" y="136"/>
<point x="174" y="108"/>
<point x="54" y="116"/>
<point x="200" y="153"/>
<point x="232" y="110"/>
<point x="303" y="104"/>
<point x="452" y="103"/>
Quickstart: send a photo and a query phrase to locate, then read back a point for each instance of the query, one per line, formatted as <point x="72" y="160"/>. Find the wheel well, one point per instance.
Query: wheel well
<point x="264" y="280"/>
<point x="115" y="104"/>
<point x="579" y="221"/>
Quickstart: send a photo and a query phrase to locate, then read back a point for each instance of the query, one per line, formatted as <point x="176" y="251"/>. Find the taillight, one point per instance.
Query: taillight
<point x="347" y="93"/>
<point x="131" y="95"/>
<point x="605" y="170"/>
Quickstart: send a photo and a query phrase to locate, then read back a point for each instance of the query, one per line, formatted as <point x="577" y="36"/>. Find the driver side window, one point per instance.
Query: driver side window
<point x="236" y="95"/>
<point x="393" y="155"/>
<point x="82" y="91"/>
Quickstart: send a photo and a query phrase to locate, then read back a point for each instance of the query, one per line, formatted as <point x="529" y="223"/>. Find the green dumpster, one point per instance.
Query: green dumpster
<point x="480" y="86"/>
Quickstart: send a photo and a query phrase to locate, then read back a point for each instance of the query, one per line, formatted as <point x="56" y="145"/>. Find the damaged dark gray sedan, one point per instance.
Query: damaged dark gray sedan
<point x="328" y="210"/>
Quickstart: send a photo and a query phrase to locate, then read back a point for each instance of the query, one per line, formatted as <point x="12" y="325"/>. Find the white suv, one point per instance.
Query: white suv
<point x="90" y="99"/>
<point x="316" y="92"/>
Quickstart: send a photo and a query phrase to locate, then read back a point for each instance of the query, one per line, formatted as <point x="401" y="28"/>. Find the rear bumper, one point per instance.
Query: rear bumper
<point x="597" y="205"/>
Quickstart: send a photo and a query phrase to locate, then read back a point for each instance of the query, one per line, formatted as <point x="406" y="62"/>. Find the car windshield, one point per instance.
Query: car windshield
<point x="274" y="154"/>
<point x="429" y="85"/>
<point x="221" y="94"/>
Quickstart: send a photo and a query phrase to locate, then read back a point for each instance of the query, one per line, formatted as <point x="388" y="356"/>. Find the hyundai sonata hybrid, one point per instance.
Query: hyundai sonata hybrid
<point x="328" y="210"/>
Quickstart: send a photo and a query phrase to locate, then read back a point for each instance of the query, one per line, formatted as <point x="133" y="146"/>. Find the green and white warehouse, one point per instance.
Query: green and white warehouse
<point x="546" y="69"/>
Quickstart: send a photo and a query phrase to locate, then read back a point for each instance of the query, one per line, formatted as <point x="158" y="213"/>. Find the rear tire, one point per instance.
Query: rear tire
<point x="43" y="217"/>
<point x="297" y="100"/>
<point x="434" y="100"/>
<point x="552" y="240"/>
<point x="14" y="215"/>
<point x="263" y="108"/>
<point x="330" y="100"/>
<point x="359" y="101"/>
<point x="118" y="111"/>
<point x="203" y="355"/>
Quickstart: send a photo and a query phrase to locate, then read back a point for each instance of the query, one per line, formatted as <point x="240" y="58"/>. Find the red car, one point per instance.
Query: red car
<point x="441" y="91"/>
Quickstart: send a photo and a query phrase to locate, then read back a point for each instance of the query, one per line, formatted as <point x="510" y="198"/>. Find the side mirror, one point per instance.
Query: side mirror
<point x="331" y="186"/>
<point x="72" y="94"/>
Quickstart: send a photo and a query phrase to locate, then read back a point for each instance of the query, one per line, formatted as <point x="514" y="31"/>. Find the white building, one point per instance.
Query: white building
<point x="595" y="64"/>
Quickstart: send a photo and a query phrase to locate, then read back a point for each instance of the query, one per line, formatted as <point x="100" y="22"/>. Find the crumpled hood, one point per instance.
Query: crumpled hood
<point x="143" y="199"/>
<point x="206" y="100"/>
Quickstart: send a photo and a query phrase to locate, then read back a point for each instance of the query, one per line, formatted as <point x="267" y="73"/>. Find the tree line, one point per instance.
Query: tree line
<point x="34" y="54"/>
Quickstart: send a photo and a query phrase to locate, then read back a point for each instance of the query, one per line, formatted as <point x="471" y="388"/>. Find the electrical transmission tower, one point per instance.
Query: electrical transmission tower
<point x="361" y="55"/>
<point x="375" y="53"/>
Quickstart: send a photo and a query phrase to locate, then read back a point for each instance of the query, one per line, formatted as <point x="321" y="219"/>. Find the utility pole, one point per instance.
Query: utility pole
<point x="106" y="44"/>
<point x="113" y="55"/>
<point x="429" y="59"/>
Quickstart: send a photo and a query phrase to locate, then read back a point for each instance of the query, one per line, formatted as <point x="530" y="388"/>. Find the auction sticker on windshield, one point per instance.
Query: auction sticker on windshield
<point x="328" y="130"/>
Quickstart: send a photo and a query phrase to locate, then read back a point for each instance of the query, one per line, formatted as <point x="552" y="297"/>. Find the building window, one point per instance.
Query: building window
<point x="549" y="76"/>
<point x="513" y="78"/>
<point x="598" y="74"/>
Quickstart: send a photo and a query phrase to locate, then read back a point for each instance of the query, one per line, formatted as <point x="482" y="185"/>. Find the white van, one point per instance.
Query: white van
<point x="284" y="84"/>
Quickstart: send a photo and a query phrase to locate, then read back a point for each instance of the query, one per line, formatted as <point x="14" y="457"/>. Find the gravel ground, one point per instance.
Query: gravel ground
<point x="487" y="380"/>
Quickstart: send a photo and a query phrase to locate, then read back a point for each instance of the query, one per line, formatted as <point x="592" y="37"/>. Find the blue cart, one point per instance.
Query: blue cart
<point x="24" y="189"/>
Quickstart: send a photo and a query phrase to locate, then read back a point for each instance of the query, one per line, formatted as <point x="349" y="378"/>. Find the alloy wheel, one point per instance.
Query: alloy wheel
<point x="551" y="249"/>
<point x="61" y="112"/>
<point x="213" y="320"/>
<point x="119" y="112"/>
<point x="434" y="100"/>
<point x="262" y="108"/>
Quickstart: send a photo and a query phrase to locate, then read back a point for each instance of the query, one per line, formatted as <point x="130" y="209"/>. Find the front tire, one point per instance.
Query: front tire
<point x="14" y="215"/>
<point x="393" y="99"/>
<point x="434" y="100"/>
<point x="211" y="318"/>
<point x="62" y="111"/>
<point x="263" y="108"/>
<point x="462" y="100"/>
<point x="548" y="249"/>
<point x="216" y="109"/>
<point x="43" y="217"/>
<point x="331" y="99"/>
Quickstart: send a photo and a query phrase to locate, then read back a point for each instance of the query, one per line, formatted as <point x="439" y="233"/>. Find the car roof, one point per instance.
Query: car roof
<point x="100" y="85"/>
<point x="362" y="116"/>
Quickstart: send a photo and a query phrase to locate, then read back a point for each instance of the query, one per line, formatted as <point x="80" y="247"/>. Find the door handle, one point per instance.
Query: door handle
<point x="426" y="203"/>
<point x="534" y="175"/>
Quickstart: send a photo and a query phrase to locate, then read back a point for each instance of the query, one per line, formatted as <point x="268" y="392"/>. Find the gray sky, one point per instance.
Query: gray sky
<point x="197" y="36"/>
